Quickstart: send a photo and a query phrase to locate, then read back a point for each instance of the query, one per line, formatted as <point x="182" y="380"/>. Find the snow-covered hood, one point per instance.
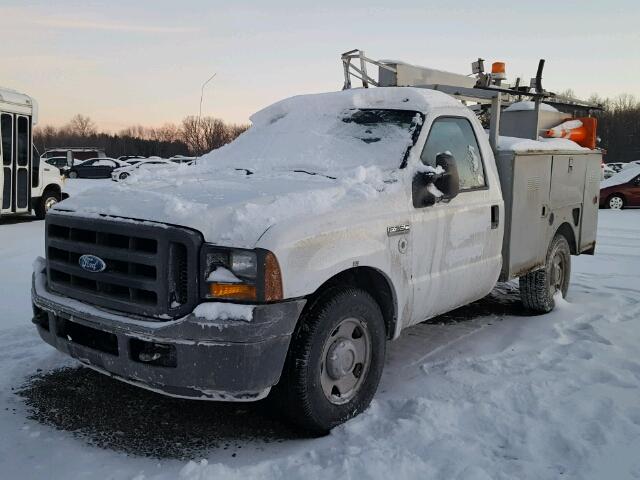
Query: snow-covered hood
<point x="231" y="208"/>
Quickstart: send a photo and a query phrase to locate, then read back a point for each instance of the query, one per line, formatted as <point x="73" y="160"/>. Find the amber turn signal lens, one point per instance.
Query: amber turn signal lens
<point x="272" y="278"/>
<point x="235" y="291"/>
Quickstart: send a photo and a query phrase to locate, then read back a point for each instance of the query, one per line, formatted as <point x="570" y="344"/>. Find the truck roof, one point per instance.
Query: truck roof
<point x="391" y="98"/>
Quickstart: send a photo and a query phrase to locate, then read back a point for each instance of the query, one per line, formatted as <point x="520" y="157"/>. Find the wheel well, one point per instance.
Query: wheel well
<point x="372" y="281"/>
<point x="567" y="232"/>
<point x="52" y="188"/>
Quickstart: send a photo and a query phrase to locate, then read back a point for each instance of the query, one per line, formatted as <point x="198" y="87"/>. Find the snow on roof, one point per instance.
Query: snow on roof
<point x="517" y="144"/>
<point x="397" y="98"/>
<point x="529" y="105"/>
<point x="623" y="176"/>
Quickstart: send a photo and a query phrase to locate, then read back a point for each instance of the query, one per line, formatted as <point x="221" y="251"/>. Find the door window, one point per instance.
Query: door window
<point x="6" y="127"/>
<point x="455" y="136"/>
<point x="23" y="142"/>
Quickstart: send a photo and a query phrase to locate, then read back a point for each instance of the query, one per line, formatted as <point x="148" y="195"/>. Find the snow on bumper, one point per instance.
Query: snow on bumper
<point x="211" y="358"/>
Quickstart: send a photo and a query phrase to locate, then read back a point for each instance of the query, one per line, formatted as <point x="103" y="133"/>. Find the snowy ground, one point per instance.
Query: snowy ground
<point x="484" y="393"/>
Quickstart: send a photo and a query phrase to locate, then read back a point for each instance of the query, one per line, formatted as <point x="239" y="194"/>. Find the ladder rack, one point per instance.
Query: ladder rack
<point x="483" y="89"/>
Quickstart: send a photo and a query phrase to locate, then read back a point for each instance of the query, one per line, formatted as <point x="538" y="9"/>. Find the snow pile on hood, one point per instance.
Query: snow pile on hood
<point x="304" y="155"/>
<point x="623" y="176"/>
<point x="517" y="144"/>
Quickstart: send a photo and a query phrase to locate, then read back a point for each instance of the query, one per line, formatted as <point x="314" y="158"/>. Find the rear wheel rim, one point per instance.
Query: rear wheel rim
<point x="345" y="360"/>
<point x="558" y="273"/>
<point x="615" y="203"/>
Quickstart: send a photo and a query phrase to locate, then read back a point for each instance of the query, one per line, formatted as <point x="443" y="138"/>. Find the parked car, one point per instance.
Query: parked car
<point x="608" y="171"/>
<point x="630" y="164"/>
<point x="77" y="153"/>
<point x="182" y="159"/>
<point x="144" y="165"/>
<point x="95" y="168"/>
<point x="616" y="166"/>
<point x="622" y="189"/>
<point x="59" y="162"/>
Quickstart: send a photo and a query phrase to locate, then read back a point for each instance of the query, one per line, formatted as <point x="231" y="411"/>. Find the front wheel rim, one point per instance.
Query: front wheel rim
<point x="345" y="361"/>
<point x="615" y="203"/>
<point x="49" y="203"/>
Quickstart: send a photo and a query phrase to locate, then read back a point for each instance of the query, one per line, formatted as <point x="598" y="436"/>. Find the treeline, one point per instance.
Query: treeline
<point x="192" y="137"/>
<point x="619" y="128"/>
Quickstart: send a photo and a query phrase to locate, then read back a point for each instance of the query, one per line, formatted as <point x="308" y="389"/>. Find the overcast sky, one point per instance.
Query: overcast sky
<point x="124" y="62"/>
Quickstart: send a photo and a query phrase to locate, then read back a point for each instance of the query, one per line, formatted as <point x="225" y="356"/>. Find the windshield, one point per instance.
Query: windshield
<point x="324" y="141"/>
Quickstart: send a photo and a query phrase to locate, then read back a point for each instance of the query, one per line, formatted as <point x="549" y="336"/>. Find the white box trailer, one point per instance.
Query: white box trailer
<point x="25" y="182"/>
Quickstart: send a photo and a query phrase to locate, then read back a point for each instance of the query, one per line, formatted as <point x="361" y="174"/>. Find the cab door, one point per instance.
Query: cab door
<point x="456" y="244"/>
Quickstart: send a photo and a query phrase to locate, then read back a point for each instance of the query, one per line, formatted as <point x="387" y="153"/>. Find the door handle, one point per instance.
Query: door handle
<point x="495" y="216"/>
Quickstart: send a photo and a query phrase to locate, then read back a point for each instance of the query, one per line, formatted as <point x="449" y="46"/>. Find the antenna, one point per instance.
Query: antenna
<point x="200" y="110"/>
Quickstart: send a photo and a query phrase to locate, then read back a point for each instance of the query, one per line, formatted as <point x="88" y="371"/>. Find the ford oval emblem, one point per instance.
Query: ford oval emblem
<point x="91" y="263"/>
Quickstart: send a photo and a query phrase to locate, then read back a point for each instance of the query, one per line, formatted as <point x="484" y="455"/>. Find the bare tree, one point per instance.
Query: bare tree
<point x="81" y="126"/>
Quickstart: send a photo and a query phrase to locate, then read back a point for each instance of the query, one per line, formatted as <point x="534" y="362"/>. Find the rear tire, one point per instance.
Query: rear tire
<point x="334" y="362"/>
<point x="615" y="202"/>
<point x="47" y="201"/>
<point x="537" y="289"/>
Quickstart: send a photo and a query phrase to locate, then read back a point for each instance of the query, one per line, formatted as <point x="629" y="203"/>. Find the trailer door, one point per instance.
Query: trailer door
<point x="15" y="131"/>
<point x="7" y="134"/>
<point x="22" y="164"/>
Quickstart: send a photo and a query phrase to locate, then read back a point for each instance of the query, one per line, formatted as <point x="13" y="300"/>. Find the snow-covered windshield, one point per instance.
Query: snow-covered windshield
<point x="324" y="141"/>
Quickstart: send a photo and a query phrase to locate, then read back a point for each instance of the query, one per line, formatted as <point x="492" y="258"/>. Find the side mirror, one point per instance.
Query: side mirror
<point x="422" y="197"/>
<point x="449" y="182"/>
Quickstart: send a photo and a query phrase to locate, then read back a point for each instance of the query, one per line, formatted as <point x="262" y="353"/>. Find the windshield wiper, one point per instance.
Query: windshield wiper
<point x="315" y="173"/>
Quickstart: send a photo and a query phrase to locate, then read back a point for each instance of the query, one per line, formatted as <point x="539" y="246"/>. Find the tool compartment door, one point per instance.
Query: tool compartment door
<point x="529" y="212"/>
<point x="567" y="181"/>
<point x="591" y="201"/>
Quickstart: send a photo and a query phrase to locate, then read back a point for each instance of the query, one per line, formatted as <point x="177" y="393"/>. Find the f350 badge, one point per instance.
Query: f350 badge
<point x="398" y="229"/>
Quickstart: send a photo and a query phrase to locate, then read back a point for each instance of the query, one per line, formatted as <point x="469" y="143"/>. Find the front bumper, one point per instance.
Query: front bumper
<point x="192" y="357"/>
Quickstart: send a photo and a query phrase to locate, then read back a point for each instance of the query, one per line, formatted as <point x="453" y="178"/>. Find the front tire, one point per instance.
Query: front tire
<point x="123" y="175"/>
<point x="335" y="360"/>
<point x="46" y="202"/>
<point x="73" y="174"/>
<point x="615" y="202"/>
<point x="538" y="288"/>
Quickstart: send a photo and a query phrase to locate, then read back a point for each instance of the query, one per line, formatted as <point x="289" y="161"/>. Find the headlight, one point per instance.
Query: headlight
<point x="244" y="264"/>
<point x="234" y="274"/>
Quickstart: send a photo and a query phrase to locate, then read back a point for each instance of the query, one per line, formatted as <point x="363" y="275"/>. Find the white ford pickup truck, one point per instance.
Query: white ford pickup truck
<point x="286" y="260"/>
